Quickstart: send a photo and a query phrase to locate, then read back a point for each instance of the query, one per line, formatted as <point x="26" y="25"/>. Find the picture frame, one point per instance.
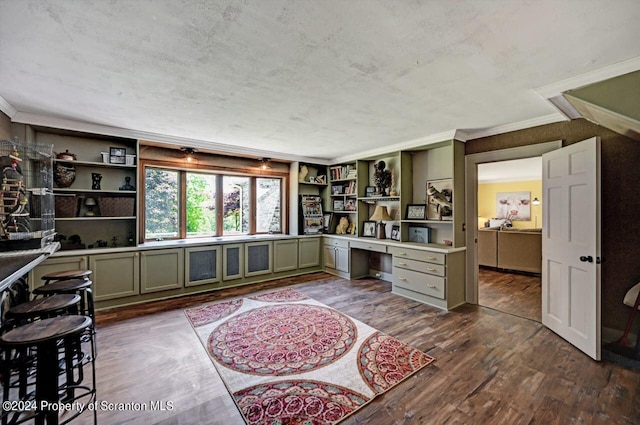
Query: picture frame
<point x="338" y="205"/>
<point x="369" y="229"/>
<point x="440" y="199"/>
<point x="369" y="191"/>
<point x="416" y="212"/>
<point x="117" y="155"/>
<point x="336" y="190"/>
<point x="419" y="234"/>
<point x="350" y="205"/>
<point x="395" y="232"/>
<point x="513" y="206"/>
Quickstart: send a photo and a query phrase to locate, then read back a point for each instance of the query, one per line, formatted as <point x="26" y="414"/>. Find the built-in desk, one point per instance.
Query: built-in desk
<point x="430" y="273"/>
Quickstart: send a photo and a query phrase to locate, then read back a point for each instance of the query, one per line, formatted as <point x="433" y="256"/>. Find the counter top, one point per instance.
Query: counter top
<point x="195" y="242"/>
<point x="15" y="264"/>
<point x="433" y="247"/>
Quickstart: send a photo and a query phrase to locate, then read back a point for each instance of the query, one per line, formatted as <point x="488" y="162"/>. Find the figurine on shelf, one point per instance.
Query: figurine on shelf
<point x="382" y="177"/>
<point x="127" y="184"/>
<point x="95" y="181"/>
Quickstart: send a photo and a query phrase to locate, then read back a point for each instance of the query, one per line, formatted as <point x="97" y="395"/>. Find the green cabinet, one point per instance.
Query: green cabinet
<point x="308" y="252"/>
<point x="161" y="270"/>
<point x="115" y="275"/>
<point x="285" y="255"/>
<point x="59" y="264"/>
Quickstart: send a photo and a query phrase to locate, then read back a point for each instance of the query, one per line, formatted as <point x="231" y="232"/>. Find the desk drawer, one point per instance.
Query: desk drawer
<point x="419" y="266"/>
<point x="433" y="286"/>
<point x="369" y="246"/>
<point x="416" y="254"/>
<point x="340" y="243"/>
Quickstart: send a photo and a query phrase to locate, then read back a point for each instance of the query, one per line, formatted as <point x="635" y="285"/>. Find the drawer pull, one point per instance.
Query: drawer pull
<point x="431" y="258"/>
<point x="430" y="269"/>
<point x="403" y="278"/>
<point x="402" y="253"/>
<point x="402" y="264"/>
<point x="431" y="286"/>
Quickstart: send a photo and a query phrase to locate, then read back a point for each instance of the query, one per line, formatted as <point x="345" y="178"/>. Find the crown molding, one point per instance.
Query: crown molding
<point x="601" y="74"/>
<point x="520" y="125"/>
<point x="62" y="123"/>
<point x="6" y="107"/>
<point x="410" y="144"/>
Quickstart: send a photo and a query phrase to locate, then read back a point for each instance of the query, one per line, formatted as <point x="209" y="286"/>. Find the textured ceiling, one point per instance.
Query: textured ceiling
<point x="319" y="79"/>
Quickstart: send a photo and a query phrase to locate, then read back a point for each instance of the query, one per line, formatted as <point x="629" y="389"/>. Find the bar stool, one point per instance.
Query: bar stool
<point x="22" y="360"/>
<point x="81" y="287"/>
<point x="44" y="336"/>
<point x="66" y="275"/>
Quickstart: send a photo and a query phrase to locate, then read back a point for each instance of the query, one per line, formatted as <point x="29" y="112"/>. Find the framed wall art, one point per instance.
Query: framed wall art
<point x="440" y="199"/>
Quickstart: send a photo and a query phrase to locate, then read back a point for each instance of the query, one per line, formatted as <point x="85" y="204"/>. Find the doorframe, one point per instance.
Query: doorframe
<point x="471" y="199"/>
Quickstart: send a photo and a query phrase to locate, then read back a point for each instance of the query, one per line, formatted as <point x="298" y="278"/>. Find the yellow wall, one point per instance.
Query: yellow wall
<point x="487" y="200"/>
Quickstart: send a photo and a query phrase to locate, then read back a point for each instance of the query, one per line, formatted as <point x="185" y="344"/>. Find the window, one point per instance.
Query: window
<point x="188" y="204"/>
<point x="201" y="205"/>
<point x="268" y="205"/>
<point x="161" y="204"/>
<point x="236" y="213"/>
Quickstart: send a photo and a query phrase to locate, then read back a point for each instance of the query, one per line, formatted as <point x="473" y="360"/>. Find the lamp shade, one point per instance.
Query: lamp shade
<point x="381" y="214"/>
<point x="535" y="201"/>
<point x="90" y="202"/>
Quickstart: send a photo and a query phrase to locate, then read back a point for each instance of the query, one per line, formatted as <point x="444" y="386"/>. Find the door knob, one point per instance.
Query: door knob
<point x="586" y="259"/>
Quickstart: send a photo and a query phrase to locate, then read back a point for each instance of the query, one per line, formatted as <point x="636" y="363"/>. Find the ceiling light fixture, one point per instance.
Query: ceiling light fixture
<point x="190" y="152"/>
<point x="264" y="163"/>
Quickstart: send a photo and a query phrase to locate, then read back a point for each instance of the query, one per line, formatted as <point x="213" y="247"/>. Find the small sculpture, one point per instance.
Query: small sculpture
<point x="127" y="184"/>
<point x="382" y="177"/>
<point x="95" y="181"/>
<point x="343" y="226"/>
<point x="302" y="176"/>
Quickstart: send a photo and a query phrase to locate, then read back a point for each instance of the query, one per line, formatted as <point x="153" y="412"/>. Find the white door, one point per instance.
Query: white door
<point x="571" y="244"/>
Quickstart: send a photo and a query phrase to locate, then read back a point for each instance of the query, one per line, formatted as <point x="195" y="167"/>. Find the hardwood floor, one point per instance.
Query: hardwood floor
<point x="513" y="293"/>
<point x="490" y="368"/>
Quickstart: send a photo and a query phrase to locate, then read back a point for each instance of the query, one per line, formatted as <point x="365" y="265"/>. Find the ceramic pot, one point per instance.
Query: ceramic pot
<point x="64" y="174"/>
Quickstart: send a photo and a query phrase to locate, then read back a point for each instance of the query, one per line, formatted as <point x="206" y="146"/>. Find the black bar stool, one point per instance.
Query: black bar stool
<point x="82" y="287"/>
<point x="44" y="336"/>
<point x="66" y="275"/>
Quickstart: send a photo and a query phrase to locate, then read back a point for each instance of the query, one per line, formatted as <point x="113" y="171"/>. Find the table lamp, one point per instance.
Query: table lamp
<point x="90" y="203"/>
<point x="379" y="215"/>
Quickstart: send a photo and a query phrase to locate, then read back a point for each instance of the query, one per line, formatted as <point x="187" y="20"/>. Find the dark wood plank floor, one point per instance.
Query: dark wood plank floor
<point x="513" y="293"/>
<point x="490" y="368"/>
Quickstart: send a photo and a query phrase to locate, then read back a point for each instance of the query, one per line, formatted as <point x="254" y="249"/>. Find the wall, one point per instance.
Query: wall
<point x="5" y="127"/>
<point x="619" y="198"/>
<point x="487" y="201"/>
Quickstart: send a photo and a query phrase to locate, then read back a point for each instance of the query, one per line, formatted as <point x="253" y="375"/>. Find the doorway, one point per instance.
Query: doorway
<point x="500" y="277"/>
<point x="510" y="237"/>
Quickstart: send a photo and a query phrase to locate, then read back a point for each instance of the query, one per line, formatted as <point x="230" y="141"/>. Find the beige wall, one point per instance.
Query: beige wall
<point x="5" y="127"/>
<point x="619" y="199"/>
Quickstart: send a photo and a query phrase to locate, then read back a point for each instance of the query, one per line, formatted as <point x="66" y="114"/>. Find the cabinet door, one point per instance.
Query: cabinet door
<point x="308" y="252"/>
<point x="329" y="257"/>
<point x="58" y="264"/>
<point x="202" y="265"/>
<point x="258" y="258"/>
<point x="115" y="275"/>
<point x="285" y="255"/>
<point x="232" y="261"/>
<point x="342" y="259"/>
<point x="161" y="270"/>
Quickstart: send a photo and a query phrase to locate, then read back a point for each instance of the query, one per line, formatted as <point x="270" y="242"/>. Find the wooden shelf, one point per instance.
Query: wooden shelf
<point x="314" y="184"/>
<point x="122" y="192"/>
<point x="428" y="221"/>
<point x="379" y="198"/>
<point x="95" y="164"/>
<point x="95" y="218"/>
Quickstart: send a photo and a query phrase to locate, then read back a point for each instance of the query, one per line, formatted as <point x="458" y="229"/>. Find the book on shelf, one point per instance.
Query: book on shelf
<point x="342" y="172"/>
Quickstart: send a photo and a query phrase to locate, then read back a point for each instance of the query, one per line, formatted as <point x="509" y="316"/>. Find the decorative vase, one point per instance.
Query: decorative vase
<point x="64" y="174"/>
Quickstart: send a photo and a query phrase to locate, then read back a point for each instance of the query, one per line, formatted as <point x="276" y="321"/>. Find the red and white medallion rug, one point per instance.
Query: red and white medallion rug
<point x="286" y="358"/>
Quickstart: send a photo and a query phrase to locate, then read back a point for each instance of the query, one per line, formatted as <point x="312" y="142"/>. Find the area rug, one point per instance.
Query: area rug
<point x="288" y="359"/>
